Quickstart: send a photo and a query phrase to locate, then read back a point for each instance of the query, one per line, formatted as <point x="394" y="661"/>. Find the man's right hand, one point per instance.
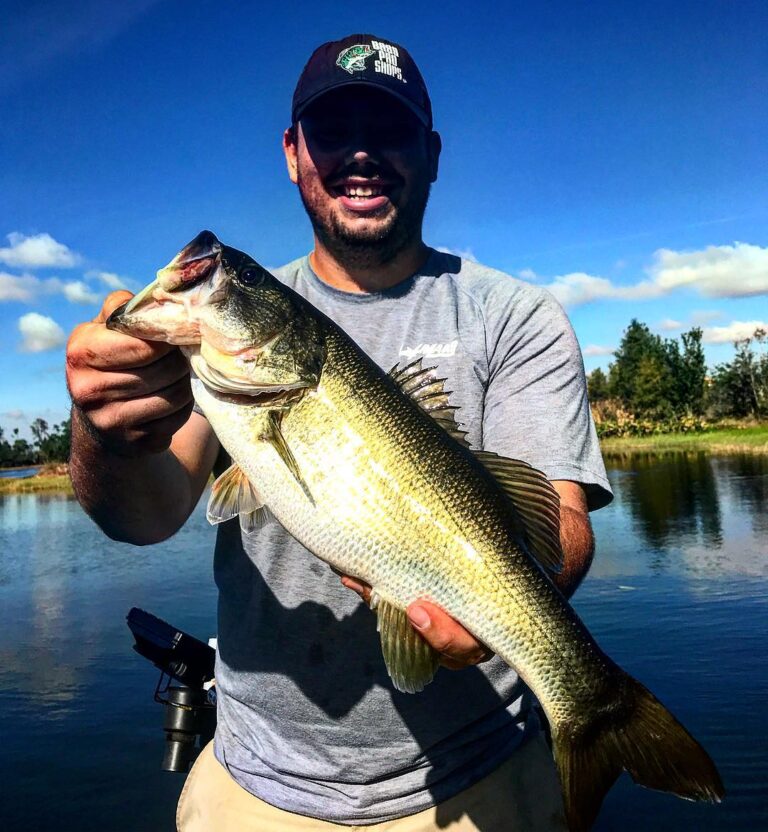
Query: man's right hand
<point x="133" y="394"/>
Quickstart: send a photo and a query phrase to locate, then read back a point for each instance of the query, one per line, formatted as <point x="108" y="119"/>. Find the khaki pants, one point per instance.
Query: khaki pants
<point x="522" y="795"/>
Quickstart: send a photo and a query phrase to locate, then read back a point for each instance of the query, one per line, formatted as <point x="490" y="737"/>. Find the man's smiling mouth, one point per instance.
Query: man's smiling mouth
<point x="362" y="195"/>
<point x="358" y="191"/>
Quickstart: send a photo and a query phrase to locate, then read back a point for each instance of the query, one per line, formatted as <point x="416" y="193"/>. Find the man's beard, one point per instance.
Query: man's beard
<point x="366" y="247"/>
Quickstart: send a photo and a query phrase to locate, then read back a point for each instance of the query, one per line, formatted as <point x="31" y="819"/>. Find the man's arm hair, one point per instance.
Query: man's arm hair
<point x="576" y="537"/>
<point x="143" y="499"/>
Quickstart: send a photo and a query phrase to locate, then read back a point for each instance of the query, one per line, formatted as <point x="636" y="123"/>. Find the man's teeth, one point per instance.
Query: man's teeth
<point x="362" y="191"/>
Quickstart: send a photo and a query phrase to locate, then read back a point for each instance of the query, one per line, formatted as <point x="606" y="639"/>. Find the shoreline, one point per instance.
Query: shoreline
<point x="750" y="440"/>
<point x="719" y="441"/>
<point x="56" y="482"/>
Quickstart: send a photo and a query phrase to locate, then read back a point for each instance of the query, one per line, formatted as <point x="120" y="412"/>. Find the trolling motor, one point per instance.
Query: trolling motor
<point x="190" y="708"/>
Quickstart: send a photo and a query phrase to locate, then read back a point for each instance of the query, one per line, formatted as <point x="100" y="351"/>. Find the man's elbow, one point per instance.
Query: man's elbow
<point x="138" y="533"/>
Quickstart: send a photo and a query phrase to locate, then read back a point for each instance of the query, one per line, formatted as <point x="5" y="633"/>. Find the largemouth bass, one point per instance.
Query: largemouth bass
<point x="372" y="474"/>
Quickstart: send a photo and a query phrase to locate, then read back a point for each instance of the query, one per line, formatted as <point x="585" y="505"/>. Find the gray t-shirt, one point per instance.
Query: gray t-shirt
<point x="308" y="719"/>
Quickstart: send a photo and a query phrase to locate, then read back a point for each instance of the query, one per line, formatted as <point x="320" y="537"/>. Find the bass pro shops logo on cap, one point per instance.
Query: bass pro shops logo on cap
<point x="353" y="58"/>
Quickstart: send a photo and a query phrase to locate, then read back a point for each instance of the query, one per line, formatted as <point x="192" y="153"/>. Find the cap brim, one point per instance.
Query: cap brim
<point x="420" y="113"/>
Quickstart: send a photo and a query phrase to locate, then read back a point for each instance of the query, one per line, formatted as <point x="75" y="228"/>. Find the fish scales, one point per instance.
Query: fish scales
<point x="359" y="445"/>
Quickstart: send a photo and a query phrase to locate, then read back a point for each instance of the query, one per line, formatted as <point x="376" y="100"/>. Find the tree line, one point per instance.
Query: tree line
<point x="656" y="384"/>
<point x="49" y="444"/>
<point x="653" y="385"/>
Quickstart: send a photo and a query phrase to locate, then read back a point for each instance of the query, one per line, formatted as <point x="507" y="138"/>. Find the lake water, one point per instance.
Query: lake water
<point x="18" y="473"/>
<point x="678" y="595"/>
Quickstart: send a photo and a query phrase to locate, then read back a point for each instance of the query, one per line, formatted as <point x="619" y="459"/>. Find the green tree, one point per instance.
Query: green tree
<point x="40" y="430"/>
<point x="597" y="385"/>
<point x="691" y="375"/>
<point x="642" y="376"/>
<point x="740" y="387"/>
<point x="55" y="446"/>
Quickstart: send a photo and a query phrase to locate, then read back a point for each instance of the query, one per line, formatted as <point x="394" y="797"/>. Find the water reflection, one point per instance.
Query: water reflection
<point x="688" y="513"/>
<point x="747" y="475"/>
<point x="688" y="533"/>
<point x="671" y="495"/>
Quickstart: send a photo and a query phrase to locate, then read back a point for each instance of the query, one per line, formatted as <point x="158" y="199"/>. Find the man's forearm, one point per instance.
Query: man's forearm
<point x="578" y="544"/>
<point x="136" y="500"/>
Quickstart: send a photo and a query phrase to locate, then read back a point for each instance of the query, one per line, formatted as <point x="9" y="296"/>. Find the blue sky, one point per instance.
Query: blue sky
<point x="613" y="151"/>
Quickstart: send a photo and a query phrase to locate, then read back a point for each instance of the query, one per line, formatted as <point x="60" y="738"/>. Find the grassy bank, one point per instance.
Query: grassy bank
<point x="39" y="483"/>
<point x="718" y="441"/>
<point x="49" y="478"/>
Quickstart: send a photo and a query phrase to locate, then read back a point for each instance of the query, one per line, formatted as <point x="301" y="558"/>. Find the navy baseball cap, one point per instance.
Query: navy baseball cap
<point x="365" y="60"/>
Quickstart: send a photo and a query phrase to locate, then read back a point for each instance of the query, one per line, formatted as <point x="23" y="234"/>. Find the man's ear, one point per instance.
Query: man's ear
<point x="434" y="146"/>
<point x="290" y="148"/>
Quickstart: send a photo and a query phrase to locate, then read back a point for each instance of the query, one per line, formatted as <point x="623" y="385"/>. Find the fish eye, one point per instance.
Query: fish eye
<point x="251" y="276"/>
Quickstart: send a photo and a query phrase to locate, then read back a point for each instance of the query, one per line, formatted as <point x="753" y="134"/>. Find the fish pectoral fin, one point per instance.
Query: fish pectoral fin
<point x="537" y="505"/>
<point x="231" y="495"/>
<point x="411" y="662"/>
<point x="275" y="437"/>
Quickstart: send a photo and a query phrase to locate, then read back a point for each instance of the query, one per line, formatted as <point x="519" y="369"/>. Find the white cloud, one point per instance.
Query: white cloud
<point x="668" y="324"/>
<point x="733" y="271"/>
<point x="40" y="333"/>
<point x="27" y="288"/>
<point x="14" y="415"/>
<point x="109" y="279"/>
<point x="464" y="253"/>
<point x="528" y="274"/>
<point x="79" y="292"/>
<point x="37" y="251"/>
<point x="735" y="331"/>
<point x="23" y="287"/>
<point x="597" y="349"/>
<point x="578" y="287"/>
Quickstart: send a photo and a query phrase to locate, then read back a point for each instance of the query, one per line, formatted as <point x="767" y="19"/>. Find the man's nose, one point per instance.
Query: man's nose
<point x="362" y="141"/>
<point x="361" y="154"/>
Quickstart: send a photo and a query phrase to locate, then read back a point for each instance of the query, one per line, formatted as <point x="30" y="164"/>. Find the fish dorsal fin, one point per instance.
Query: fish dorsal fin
<point x="536" y="503"/>
<point x="232" y="494"/>
<point x="411" y="662"/>
<point x="422" y="385"/>
<point x="274" y="435"/>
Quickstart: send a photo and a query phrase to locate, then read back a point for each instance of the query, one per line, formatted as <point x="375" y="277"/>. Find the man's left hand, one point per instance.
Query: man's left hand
<point x="457" y="647"/>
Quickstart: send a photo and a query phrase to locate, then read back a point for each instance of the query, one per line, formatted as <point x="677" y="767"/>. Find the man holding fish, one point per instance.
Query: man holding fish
<point x="312" y="733"/>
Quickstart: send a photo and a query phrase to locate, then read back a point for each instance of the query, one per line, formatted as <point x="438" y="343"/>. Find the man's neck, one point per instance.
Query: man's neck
<point x="368" y="278"/>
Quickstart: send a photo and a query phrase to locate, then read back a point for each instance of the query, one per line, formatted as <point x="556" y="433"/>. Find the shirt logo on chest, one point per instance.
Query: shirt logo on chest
<point x="430" y="350"/>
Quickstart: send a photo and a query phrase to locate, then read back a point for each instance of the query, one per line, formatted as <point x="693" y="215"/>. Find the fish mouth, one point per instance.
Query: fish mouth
<point x="195" y="263"/>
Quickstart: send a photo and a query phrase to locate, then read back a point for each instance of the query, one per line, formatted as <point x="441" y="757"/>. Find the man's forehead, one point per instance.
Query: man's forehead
<point x="358" y="100"/>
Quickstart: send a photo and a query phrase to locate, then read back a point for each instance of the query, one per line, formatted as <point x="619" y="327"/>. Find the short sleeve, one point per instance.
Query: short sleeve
<point x="536" y="407"/>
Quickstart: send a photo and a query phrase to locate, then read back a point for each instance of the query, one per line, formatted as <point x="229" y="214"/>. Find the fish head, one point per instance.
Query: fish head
<point x="244" y="332"/>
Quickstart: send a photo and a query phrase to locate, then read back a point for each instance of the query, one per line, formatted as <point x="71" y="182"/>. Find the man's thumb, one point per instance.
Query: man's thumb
<point x="111" y="302"/>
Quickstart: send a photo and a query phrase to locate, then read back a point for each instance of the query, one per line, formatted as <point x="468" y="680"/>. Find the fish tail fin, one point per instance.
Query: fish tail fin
<point x="638" y="734"/>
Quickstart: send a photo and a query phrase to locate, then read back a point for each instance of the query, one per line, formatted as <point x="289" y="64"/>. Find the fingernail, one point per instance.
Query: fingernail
<point x="419" y="618"/>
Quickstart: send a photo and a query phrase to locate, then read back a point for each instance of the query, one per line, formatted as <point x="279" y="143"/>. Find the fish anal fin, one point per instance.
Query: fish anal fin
<point x="423" y="386"/>
<point x="411" y="662"/>
<point x="253" y="520"/>
<point x="636" y="734"/>
<point x="536" y="503"/>
<point x="232" y="494"/>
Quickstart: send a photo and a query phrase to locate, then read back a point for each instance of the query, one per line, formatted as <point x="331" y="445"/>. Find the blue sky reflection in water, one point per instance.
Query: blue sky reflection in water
<point x="678" y="595"/>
